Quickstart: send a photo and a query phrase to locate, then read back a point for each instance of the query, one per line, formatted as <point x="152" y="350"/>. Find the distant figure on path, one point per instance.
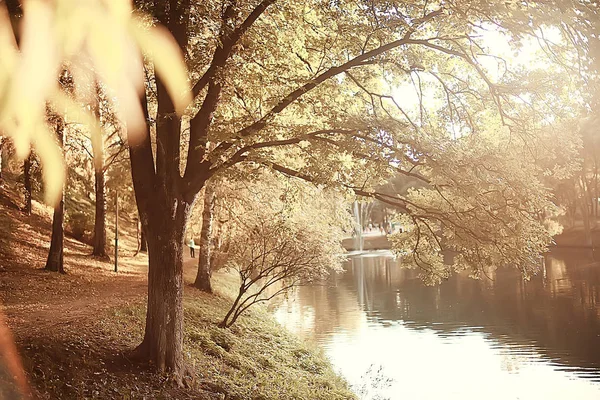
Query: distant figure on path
<point x="192" y="246"/>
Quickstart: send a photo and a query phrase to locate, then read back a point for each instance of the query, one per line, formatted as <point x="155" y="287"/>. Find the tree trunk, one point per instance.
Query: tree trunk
<point x="99" y="242"/>
<point x="141" y="239"/>
<point x="164" y="213"/>
<point x="163" y="339"/>
<point x="55" y="261"/>
<point x="204" y="257"/>
<point x="100" y="217"/>
<point x="27" y="184"/>
<point x="585" y="213"/>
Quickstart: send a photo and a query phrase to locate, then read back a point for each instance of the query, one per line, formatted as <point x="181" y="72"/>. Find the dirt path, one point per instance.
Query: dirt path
<point x="36" y="300"/>
<point x="46" y="303"/>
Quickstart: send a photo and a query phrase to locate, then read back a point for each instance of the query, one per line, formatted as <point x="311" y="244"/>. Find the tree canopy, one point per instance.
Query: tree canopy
<point x="349" y="94"/>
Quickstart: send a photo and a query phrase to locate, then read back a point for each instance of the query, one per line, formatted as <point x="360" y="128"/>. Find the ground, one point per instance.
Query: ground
<point x="75" y="332"/>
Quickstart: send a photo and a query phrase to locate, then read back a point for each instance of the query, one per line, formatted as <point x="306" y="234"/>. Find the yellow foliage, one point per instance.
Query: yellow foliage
<point x="96" y="40"/>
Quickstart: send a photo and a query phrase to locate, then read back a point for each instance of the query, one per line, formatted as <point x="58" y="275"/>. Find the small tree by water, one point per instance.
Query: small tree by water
<point x="283" y="241"/>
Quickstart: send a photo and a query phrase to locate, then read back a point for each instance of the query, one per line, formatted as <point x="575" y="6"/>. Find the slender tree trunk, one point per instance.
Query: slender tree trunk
<point x="226" y="322"/>
<point x="99" y="242"/>
<point x="55" y="261"/>
<point x="141" y="239"/>
<point x="585" y="213"/>
<point x="27" y="184"/>
<point x="100" y="216"/>
<point x="204" y="257"/>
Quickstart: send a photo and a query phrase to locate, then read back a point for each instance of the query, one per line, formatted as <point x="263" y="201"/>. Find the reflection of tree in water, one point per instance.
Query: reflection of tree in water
<point x="510" y="361"/>
<point x="558" y="311"/>
<point x="372" y="383"/>
<point x="317" y="311"/>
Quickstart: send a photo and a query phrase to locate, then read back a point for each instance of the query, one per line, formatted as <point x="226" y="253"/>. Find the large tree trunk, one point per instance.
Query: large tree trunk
<point x="163" y="338"/>
<point x="27" y="184"/>
<point x="164" y="213"/>
<point x="204" y="257"/>
<point x="55" y="261"/>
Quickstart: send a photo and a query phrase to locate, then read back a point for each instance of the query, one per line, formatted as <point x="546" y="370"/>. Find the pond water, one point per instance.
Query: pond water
<point x="498" y="338"/>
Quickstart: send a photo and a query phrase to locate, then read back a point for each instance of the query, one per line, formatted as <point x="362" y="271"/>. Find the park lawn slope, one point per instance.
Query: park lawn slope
<point x="254" y="359"/>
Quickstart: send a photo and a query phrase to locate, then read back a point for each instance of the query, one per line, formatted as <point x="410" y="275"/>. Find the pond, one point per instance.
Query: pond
<point x="503" y="338"/>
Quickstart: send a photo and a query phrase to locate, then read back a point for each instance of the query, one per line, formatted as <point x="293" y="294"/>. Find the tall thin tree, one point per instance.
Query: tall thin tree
<point x="204" y="255"/>
<point x="99" y="241"/>
<point x="55" y="261"/>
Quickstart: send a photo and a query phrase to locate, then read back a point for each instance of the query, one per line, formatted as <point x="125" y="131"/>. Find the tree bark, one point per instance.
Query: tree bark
<point x="27" y="184"/>
<point x="204" y="257"/>
<point x="163" y="338"/>
<point x="55" y="261"/>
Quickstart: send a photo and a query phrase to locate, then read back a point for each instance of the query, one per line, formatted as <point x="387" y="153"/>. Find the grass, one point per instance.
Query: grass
<point x="254" y="359"/>
<point x="74" y="332"/>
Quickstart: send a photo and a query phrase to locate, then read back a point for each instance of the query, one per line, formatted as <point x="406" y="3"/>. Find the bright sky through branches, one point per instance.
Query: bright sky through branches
<point x="499" y="56"/>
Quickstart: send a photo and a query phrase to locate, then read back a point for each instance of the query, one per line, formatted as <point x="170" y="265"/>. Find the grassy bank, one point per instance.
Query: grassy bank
<point x="254" y="359"/>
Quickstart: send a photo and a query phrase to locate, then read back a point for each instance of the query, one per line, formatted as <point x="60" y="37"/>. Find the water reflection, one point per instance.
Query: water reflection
<point x="499" y="338"/>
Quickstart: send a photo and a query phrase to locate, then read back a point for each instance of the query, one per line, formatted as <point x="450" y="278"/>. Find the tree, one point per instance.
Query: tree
<point x="99" y="241"/>
<point x="202" y="281"/>
<point x="55" y="260"/>
<point x="286" y="233"/>
<point x="105" y="36"/>
<point x="108" y="149"/>
<point x="307" y="89"/>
